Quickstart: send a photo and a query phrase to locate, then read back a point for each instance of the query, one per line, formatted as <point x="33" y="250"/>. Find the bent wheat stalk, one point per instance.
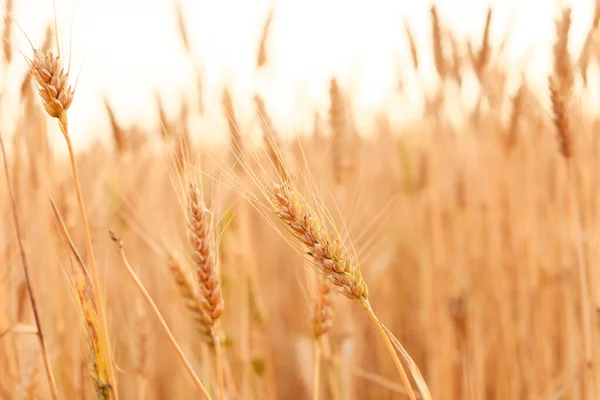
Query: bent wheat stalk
<point x="162" y="321"/>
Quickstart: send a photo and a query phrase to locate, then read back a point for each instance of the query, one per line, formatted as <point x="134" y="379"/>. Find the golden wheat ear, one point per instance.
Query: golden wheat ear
<point x="53" y="83"/>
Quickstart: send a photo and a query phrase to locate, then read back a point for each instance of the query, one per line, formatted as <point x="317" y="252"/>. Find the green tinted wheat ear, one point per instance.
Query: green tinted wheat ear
<point x="326" y="251"/>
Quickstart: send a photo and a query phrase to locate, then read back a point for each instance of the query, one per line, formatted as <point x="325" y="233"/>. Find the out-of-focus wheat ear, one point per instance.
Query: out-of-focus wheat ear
<point x="182" y="142"/>
<point x="412" y="45"/>
<point x="517" y="112"/>
<point x="162" y="119"/>
<point x="484" y="52"/>
<point x="119" y="134"/>
<point x="271" y="138"/>
<point x="323" y="312"/>
<point x="204" y="255"/>
<point x="192" y="303"/>
<point x="235" y="136"/>
<point x="561" y="84"/>
<point x="261" y="59"/>
<point x="438" y="47"/>
<point x="6" y="32"/>
<point x="338" y="123"/>
<point x="456" y="62"/>
<point x="183" y="34"/>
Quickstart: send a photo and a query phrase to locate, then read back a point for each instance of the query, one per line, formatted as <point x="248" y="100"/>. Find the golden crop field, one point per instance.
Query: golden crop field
<point x="440" y="260"/>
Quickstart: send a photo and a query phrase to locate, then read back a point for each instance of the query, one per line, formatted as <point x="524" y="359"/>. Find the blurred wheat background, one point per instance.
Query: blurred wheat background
<point x="224" y="152"/>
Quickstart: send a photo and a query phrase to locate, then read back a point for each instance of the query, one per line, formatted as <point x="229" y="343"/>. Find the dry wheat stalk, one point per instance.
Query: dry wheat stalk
<point x="28" y="285"/>
<point x="322" y="321"/>
<point x="162" y="321"/>
<point x="57" y="95"/>
<point x="99" y="353"/>
<point x="6" y="33"/>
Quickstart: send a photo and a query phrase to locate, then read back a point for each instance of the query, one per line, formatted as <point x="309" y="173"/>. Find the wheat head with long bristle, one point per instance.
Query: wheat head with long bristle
<point x="327" y="252"/>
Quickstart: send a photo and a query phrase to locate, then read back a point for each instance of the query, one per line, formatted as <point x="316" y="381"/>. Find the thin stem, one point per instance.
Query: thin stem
<point x="218" y="360"/>
<point x="64" y="127"/>
<point x="162" y="321"/>
<point x="317" y="371"/>
<point x="36" y="314"/>
<point x="391" y="350"/>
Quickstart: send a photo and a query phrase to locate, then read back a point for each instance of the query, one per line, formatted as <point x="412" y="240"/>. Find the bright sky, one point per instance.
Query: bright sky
<point x="131" y="48"/>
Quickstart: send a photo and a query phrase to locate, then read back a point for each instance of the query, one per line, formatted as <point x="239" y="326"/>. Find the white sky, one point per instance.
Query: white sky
<point x="131" y="48"/>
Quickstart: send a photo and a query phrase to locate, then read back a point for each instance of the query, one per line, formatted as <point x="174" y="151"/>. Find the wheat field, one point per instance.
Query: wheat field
<point x="452" y="257"/>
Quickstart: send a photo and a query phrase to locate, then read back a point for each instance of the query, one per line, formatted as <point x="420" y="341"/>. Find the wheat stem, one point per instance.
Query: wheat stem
<point x="162" y="321"/>
<point x="388" y="343"/>
<point x="36" y="313"/>
<point x="317" y="371"/>
<point x="218" y="361"/>
<point x="63" y="124"/>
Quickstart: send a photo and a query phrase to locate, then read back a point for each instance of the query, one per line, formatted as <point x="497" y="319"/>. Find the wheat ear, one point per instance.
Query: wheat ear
<point x="337" y="266"/>
<point x="207" y="276"/>
<point x="57" y="95"/>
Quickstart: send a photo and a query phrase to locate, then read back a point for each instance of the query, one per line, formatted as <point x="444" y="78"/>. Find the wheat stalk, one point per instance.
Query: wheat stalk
<point x="57" y="96"/>
<point x="162" y="321"/>
<point x="24" y="262"/>
<point x="322" y="321"/>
